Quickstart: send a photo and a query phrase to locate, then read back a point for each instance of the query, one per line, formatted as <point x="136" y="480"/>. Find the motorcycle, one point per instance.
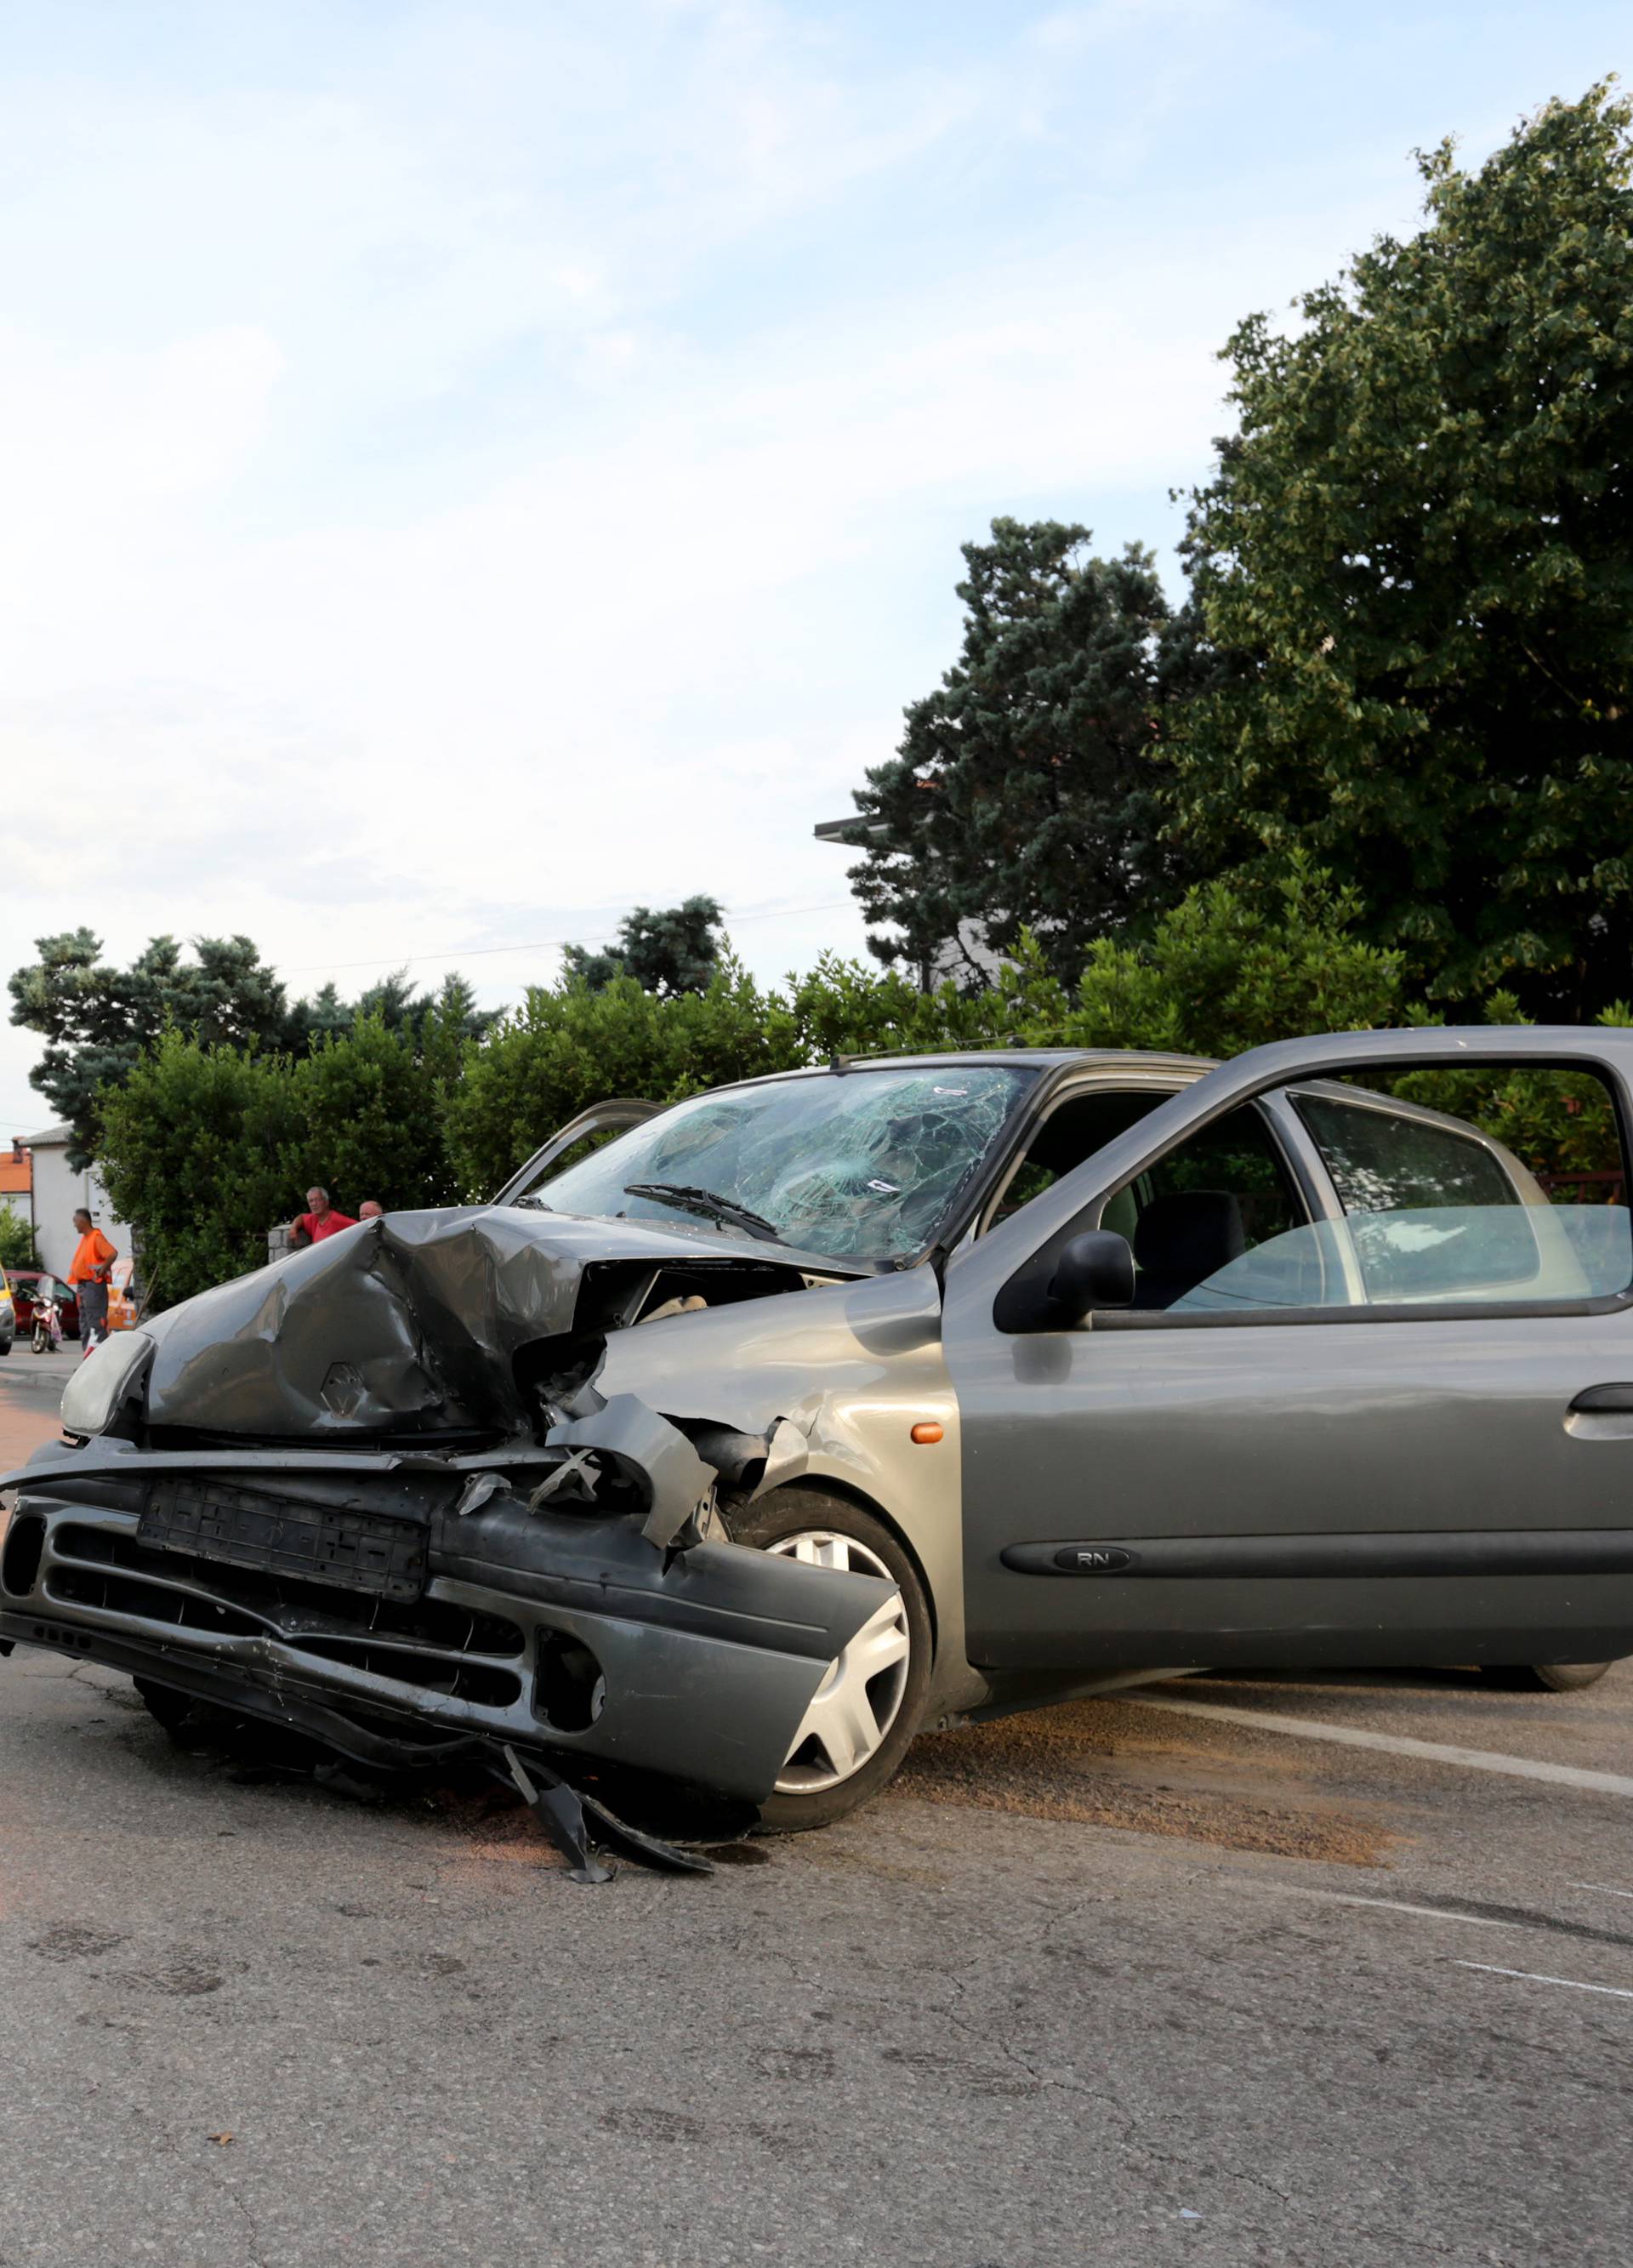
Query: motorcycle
<point x="47" y="1323"/>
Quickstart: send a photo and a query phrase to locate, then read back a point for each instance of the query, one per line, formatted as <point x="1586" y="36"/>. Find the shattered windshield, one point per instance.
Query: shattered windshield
<point x="863" y="1164"/>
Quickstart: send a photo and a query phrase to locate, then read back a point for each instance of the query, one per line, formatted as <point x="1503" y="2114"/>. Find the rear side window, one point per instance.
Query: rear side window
<point x="1497" y="1183"/>
<point x="1382" y="1162"/>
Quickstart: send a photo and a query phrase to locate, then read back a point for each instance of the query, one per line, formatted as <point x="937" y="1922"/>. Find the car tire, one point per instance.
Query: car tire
<point x="170" y="1708"/>
<point x="818" y="1786"/>
<point x="1549" y="1676"/>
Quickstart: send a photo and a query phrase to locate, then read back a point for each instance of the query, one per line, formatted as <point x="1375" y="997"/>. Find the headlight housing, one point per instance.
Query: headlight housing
<point x="102" y="1381"/>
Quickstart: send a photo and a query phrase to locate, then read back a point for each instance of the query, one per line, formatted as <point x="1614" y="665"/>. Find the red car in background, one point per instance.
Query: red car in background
<point x="25" y="1282"/>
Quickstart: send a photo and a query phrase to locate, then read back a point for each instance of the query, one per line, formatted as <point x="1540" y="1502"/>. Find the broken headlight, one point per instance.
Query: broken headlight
<point x="103" y="1378"/>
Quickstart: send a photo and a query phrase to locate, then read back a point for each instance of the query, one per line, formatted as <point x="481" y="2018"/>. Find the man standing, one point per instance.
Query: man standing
<point x="371" y="1209"/>
<point x="88" y="1279"/>
<point x="320" y="1218"/>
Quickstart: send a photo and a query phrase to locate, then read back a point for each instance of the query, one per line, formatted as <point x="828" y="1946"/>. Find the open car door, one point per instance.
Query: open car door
<point x="579" y="1134"/>
<point x="1354" y="1390"/>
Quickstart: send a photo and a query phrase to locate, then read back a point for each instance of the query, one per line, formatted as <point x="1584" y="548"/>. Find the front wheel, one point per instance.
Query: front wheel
<point x="1550" y="1676"/>
<point x="864" y="1713"/>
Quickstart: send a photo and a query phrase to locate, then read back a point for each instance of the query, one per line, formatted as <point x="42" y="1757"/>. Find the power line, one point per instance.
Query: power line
<point x="543" y="944"/>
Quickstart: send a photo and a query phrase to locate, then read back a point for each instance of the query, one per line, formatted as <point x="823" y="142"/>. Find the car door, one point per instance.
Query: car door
<point x="578" y="1137"/>
<point x="1380" y="1431"/>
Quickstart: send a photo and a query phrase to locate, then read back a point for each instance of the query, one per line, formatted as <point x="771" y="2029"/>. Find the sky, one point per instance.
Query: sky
<point x="473" y="468"/>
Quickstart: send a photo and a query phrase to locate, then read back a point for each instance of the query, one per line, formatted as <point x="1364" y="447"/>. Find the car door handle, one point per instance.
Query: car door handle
<point x="1619" y="1396"/>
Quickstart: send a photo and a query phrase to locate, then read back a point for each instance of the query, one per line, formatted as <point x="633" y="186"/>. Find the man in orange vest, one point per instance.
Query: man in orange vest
<point x="88" y="1279"/>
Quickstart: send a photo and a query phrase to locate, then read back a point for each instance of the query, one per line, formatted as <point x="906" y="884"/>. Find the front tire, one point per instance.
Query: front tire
<point x="1550" y="1676"/>
<point x="863" y="1715"/>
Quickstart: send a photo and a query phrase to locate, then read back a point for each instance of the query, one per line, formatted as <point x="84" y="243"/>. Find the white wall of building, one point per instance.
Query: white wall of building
<point x="57" y="1193"/>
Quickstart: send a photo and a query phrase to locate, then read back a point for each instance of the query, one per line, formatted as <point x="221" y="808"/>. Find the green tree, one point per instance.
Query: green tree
<point x="1024" y="795"/>
<point x="1414" y="563"/>
<point x="1229" y="968"/>
<point x="200" y="1152"/>
<point x="97" y="1020"/>
<point x="677" y="949"/>
<point x="17" y="1238"/>
<point x="1223" y="970"/>
<point x="566" y="1047"/>
<point x="370" y="1116"/>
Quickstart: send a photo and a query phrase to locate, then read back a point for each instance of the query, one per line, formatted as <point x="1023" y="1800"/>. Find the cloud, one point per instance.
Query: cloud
<point x="475" y="468"/>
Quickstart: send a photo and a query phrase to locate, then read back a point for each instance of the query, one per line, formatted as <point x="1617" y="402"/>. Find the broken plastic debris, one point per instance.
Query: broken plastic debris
<point x="579" y="1464"/>
<point x="682" y="1484"/>
<point x="477" y="1491"/>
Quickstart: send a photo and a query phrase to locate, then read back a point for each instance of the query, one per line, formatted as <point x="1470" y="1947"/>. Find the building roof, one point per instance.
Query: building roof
<point x="49" y="1137"/>
<point x="17" y="1176"/>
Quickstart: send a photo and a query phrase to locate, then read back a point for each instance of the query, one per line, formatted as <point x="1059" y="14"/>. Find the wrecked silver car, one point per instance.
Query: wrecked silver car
<point x="737" y="1443"/>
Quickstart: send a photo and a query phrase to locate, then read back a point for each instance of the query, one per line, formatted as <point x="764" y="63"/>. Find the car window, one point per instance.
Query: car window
<point x="1223" y="1194"/>
<point x="1494" y="1185"/>
<point x="1074" y="1130"/>
<point x="1434" y="1213"/>
<point x="1381" y="1161"/>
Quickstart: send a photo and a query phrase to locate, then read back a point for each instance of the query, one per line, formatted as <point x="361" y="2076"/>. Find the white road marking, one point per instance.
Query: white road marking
<point x="1395" y="1745"/>
<point x="1393" y="1905"/>
<point x="1533" y="1977"/>
<point x="1605" y="1886"/>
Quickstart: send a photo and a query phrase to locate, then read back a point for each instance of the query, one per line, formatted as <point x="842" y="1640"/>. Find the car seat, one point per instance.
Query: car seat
<point x="1182" y="1239"/>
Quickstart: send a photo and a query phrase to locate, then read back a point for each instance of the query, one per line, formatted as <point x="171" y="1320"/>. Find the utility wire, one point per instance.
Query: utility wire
<point x="542" y="945"/>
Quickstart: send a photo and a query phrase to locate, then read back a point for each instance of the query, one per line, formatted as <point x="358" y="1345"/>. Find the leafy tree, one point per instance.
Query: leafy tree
<point x="369" y="1122"/>
<point x="97" y="1020"/>
<point x="1231" y="968"/>
<point x="1024" y="795"/>
<point x="1414" y="563"/>
<point x="17" y="1238"/>
<point x="677" y="949"/>
<point x="200" y="1151"/>
<point x="1223" y="971"/>
<point x="566" y="1047"/>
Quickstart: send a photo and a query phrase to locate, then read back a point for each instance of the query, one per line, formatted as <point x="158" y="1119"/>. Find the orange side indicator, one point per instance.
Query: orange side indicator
<point x="926" y="1432"/>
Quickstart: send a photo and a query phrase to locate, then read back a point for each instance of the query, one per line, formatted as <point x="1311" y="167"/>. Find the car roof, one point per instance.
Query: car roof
<point x="1052" y="1059"/>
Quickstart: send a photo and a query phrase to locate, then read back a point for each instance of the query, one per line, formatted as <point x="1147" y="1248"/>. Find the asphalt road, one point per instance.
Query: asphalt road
<point x="1121" y="1983"/>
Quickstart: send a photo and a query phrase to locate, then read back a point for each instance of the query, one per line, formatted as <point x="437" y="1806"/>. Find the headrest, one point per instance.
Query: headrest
<point x="1192" y="1234"/>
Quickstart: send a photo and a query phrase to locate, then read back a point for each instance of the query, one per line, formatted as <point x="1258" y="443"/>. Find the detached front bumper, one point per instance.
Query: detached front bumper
<point x="346" y="1597"/>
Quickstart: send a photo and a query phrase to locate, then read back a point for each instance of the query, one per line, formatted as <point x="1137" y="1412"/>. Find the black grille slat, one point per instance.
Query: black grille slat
<point x="350" y="1551"/>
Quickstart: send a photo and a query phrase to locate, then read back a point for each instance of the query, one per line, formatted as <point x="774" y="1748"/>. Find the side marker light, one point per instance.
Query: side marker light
<point x="927" y="1432"/>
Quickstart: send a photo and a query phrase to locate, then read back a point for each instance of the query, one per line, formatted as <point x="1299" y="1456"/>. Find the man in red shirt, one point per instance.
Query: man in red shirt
<point x="320" y="1218"/>
<point x="89" y="1277"/>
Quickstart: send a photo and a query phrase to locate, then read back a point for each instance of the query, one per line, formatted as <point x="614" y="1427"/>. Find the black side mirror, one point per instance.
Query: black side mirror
<point x="1096" y="1270"/>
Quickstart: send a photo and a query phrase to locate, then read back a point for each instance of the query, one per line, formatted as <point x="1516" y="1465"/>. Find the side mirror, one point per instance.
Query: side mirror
<point x="1096" y="1270"/>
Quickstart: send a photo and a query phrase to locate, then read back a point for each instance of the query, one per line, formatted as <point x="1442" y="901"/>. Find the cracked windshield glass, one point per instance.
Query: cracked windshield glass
<point x="861" y="1164"/>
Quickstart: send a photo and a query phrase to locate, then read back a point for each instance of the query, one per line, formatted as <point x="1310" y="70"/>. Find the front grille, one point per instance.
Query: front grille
<point x="462" y="1680"/>
<point x="154" y="1603"/>
<point x="350" y="1551"/>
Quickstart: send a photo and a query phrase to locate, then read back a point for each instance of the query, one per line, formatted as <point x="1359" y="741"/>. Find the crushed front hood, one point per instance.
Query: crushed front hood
<point x="409" y="1322"/>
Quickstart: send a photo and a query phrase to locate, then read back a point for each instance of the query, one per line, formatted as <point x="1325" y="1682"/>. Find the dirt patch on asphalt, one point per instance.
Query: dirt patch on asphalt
<point x="1101" y="1765"/>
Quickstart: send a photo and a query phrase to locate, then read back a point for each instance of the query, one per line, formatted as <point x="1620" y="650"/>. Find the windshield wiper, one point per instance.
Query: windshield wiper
<point x="706" y="1202"/>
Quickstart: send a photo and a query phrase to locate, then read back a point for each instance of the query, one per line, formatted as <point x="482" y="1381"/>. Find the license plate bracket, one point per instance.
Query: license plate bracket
<point x="343" y="1549"/>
